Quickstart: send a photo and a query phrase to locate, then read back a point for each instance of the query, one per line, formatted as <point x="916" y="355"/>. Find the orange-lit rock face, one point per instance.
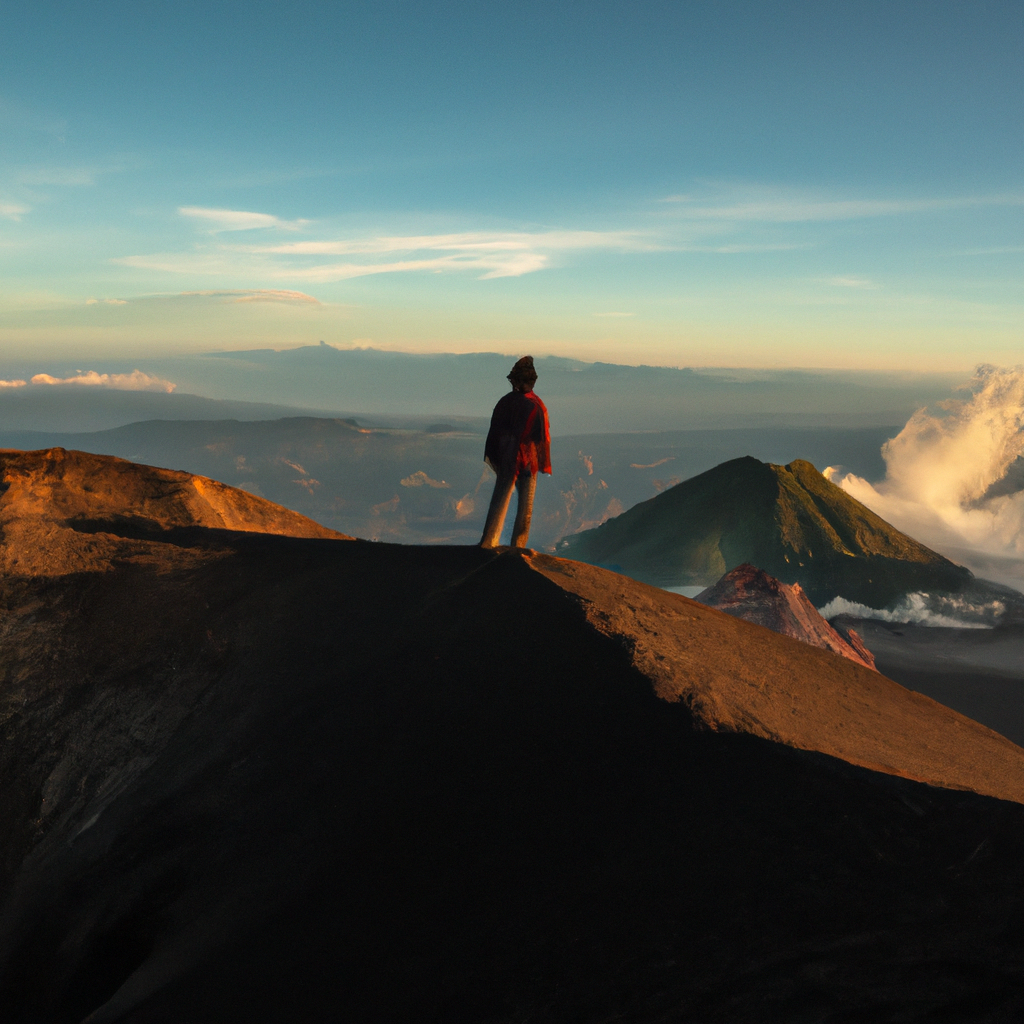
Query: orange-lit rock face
<point x="67" y="511"/>
<point x="751" y="594"/>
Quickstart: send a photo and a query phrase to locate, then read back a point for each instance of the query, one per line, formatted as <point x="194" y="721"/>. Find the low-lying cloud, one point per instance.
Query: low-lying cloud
<point x="134" y="381"/>
<point x="924" y="610"/>
<point x="421" y="479"/>
<point x="955" y="476"/>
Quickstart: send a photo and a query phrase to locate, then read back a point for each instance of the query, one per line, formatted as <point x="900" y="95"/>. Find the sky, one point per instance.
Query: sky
<point x="675" y="183"/>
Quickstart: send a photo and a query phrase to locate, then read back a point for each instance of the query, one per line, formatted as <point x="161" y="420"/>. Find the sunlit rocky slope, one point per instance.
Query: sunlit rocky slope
<point x="248" y="777"/>
<point x="787" y="520"/>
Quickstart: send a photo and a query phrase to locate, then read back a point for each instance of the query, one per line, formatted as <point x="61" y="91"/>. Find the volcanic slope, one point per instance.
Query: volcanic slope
<point x="787" y="520"/>
<point x="258" y="778"/>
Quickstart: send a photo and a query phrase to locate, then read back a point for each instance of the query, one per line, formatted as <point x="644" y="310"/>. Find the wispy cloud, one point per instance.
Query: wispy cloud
<point x="259" y="295"/>
<point x="759" y="203"/>
<point x="239" y="220"/>
<point x="12" y="383"/>
<point x="106" y="302"/>
<point x="489" y="254"/>
<point x="13" y="211"/>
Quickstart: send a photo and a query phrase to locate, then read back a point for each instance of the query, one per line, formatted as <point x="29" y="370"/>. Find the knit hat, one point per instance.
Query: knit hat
<point x="523" y="371"/>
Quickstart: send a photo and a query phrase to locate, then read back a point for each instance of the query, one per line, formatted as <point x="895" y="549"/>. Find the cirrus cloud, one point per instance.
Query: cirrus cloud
<point x="259" y="295"/>
<point x="238" y="220"/>
<point x="489" y="254"/>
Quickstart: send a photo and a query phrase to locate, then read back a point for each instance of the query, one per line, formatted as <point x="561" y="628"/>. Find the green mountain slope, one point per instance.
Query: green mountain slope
<point x="787" y="520"/>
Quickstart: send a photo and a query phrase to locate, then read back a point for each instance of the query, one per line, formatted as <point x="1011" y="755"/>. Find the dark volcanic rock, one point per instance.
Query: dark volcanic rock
<point x="751" y="594"/>
<point x="788" y="520"/>
<point x="263" y="778"/>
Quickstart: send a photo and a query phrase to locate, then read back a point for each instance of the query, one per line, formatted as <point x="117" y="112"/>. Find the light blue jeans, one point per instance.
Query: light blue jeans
<point x="526" y="486"/>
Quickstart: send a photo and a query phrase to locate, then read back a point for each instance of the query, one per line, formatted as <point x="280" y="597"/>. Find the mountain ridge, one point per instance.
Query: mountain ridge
<point x="248" y="777"/>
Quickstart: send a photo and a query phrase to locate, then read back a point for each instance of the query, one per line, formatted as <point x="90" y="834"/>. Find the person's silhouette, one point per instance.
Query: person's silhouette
<point x="518" y="448"/>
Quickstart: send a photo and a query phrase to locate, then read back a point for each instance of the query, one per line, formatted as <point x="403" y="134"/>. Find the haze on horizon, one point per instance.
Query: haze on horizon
<point x="675" y="184"/>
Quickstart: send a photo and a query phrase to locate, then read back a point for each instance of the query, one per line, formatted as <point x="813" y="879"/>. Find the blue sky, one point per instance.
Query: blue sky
<point x="689" y="183"/>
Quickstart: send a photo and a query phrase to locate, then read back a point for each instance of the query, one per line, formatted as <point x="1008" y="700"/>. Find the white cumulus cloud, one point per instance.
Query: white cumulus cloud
<point x="951" y="475"/>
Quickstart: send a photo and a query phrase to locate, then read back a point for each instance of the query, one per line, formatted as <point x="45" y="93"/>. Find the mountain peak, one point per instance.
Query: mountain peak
<point x="749" y="593"/>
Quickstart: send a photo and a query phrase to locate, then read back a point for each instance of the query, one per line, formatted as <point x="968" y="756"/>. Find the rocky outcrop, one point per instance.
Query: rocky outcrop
<point x="789" y="520"/>
<point x="751" y="594"/>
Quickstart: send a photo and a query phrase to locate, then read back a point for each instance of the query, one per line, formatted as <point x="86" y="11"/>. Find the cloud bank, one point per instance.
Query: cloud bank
<point x="134" y="381"/>
<point x="955" y="477"/>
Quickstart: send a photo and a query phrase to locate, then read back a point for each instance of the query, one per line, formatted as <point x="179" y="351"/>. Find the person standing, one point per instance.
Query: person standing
<point x="518" y="447"/>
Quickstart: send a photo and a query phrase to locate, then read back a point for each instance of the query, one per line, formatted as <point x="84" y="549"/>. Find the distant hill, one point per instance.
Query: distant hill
<point x="787" y="520"/>
<point x="74" y="408"/>
<point x="255" y="778"/>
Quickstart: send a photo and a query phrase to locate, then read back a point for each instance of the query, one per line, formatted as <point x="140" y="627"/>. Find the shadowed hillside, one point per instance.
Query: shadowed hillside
<point x="787" y="520"/>
<point x="261" y="778"/>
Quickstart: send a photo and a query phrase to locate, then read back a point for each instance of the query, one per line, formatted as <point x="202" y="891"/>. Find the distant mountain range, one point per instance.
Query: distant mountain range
<point x="583" y="397"/>
<point x="77" y="408"/>
<point x="787" y="520"/>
